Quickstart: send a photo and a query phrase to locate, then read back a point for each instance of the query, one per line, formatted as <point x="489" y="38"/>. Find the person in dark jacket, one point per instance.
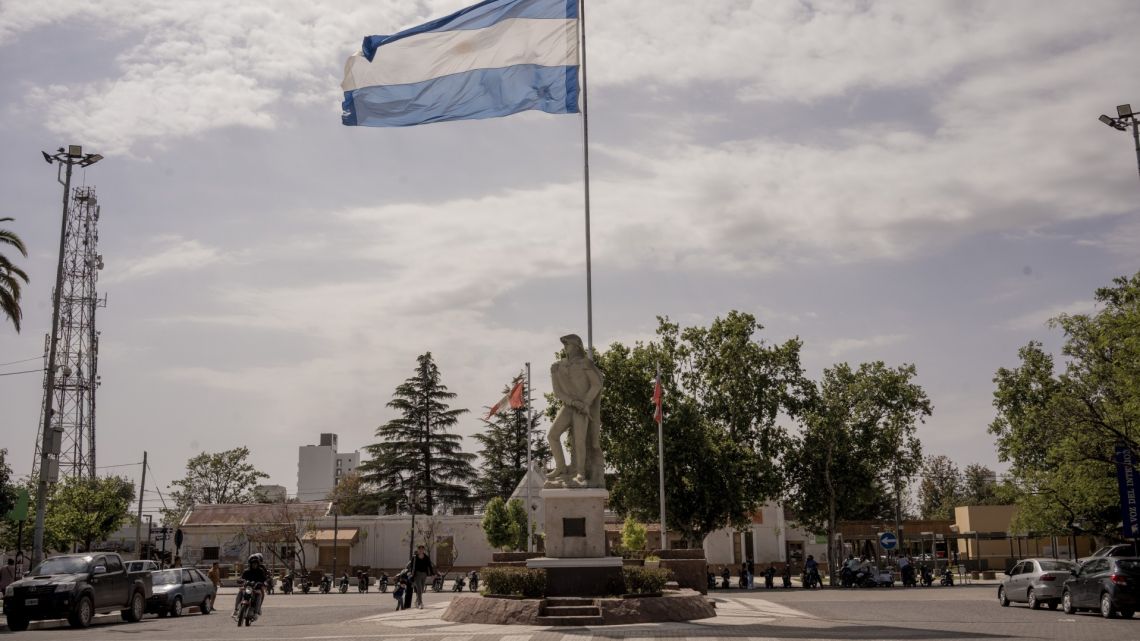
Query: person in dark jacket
<point x="422" y="568"/>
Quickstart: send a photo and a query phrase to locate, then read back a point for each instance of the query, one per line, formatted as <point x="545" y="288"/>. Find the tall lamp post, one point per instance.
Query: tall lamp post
<point x="50" y="441"/>
<point x="1125" y="117"/>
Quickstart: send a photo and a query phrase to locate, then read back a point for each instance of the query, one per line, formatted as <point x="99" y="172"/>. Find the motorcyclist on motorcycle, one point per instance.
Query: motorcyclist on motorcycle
<point x="344" y="582"/>
<point x="811" y="572"/>
<point x="256" y="574"/>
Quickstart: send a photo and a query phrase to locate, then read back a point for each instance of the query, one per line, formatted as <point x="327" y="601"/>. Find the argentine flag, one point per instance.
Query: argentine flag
<point x="492" y="59"/>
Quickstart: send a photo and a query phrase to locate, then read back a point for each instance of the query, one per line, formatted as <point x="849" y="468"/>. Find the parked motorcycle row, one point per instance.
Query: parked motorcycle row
<point x="289" y="583"/>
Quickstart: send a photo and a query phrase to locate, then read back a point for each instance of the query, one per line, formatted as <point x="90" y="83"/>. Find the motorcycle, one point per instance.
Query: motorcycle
<point x="712" y="581"/>
<point x="474" y="586"/>
<point x="459" y="584"/>
<point x="437" y="583"/>
<point x="247" y="611"/>
<point x="811" y="579"/>
<point x="306" y="584"/>
<point x="786" y="577"/>
<point x="362" y="585"/>
<point x="725" y="581"/>
<point x="287" y="584"/>
<point x="927" y="576"/>
<point x="343" y="588"/>
<point x="947" y="578"/>
<point x="382" y="583"/>
<point x="326" y="585"/>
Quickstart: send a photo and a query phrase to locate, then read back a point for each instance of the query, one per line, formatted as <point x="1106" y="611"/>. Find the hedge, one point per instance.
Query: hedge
<point x="514" y="581"/>
<point x="642" y="580"/>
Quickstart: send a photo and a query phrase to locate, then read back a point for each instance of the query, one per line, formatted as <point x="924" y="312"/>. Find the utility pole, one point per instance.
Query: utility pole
<point x="1125" y="118"/>
<point x="138" y="521"/>
<point x="51" y="439"/>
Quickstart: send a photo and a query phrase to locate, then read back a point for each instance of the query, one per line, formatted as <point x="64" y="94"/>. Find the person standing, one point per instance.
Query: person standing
<point x="421" y="569"/>
<point x="7" y="574"/>
<point x="215" y="575"/>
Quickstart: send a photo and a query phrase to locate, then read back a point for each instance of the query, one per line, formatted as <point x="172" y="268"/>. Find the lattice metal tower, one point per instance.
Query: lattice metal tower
<point x="77" y="352"/>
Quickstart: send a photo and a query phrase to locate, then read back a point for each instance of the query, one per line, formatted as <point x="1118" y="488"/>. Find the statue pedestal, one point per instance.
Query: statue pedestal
<point x="576" y="563"/>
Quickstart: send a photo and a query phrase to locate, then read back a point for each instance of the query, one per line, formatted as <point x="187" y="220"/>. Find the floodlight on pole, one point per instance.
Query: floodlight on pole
<point x="1125" y="119"/>
<point x="49" y="446"/>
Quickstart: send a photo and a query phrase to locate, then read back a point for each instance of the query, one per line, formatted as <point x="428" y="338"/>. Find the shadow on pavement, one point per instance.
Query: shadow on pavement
<point x="795" y="632"/>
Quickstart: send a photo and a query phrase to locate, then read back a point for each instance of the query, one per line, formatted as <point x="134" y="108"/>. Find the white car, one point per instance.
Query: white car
<point x="1122" y="549"/>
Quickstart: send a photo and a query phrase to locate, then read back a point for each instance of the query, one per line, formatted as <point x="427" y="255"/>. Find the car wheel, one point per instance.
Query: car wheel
<point x="17" y="623"/>
<point x="176" y="607"/>
<point x="84" y="611"/>
<point x="135" y="613"/>
<point x="1031" y="599"/>
<point x="1106" y="609"/>
<point x="1002" y="600"/>
<point x="1067" y="603"/>
<point x="207" y="605"/>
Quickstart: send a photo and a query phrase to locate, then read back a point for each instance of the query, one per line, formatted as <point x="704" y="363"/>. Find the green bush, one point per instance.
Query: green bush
<point x="514" y="581"/>
<point x="641" y="580"/>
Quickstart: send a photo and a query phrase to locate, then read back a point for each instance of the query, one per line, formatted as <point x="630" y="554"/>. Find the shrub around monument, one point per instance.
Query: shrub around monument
<point x="641" y="580"/>
<point x="513" y="581"/>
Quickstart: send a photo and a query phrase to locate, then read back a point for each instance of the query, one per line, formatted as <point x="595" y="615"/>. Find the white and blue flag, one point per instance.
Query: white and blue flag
<point x="492" y="59"/>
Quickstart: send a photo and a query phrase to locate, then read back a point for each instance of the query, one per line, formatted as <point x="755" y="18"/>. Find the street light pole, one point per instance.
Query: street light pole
<point x="1125" y="118"/>
<point x="49" y="444"/>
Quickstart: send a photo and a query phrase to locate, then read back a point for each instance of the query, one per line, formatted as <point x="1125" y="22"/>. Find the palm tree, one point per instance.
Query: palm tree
<point x="10" y="277"/>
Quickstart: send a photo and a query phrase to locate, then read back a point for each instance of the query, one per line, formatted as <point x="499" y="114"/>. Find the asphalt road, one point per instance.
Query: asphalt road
<point x="958" y="613"/>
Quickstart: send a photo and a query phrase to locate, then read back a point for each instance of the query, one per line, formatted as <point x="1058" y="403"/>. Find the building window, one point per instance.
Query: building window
<point x="210" y="554"/>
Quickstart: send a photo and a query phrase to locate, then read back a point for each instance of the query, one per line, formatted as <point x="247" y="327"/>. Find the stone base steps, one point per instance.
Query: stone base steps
<point x="569" y="611"/>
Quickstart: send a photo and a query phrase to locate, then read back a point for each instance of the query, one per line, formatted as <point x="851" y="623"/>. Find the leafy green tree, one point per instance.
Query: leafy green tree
<point x="417" y="452"/>
<point x="940" y="489"/>
<point x="503" y="453"/>
<point x="213" y="478"/>
<point x="856" y="445"/>
<point x="86" y="510"/>
<point x="7" y="489"/>
<point x="516" y="514"/>
<point x="353" y="497"/>
<point x="1059" y="430"/>
<point x="12" y="278"/>
<point x="632" y="535"/>
<point x="980" y="486"/>
<point x="497" y="524"/>
<point x="724" y="390"/>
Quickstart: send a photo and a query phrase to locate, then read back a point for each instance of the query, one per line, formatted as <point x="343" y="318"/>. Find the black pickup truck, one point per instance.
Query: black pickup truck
<point x="77" y="587"/>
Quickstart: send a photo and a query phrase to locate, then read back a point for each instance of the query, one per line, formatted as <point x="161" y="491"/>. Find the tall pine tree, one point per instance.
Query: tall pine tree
<point x="417" y="453"/>
<point x="504" y="453"/>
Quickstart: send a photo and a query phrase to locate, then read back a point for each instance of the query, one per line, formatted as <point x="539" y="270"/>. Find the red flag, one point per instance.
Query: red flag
<point x="657" y="394"/>
<point x="512" y="399"/>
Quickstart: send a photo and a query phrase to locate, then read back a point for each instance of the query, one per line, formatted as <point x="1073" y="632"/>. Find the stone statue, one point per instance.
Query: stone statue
<point x="578" y="384"/>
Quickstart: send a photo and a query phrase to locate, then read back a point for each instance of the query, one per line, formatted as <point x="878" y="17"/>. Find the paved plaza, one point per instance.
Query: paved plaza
<point x="961" y="612"/>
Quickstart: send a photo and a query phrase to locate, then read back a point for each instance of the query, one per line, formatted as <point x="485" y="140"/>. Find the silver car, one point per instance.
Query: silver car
<point x="1036" y="582"/>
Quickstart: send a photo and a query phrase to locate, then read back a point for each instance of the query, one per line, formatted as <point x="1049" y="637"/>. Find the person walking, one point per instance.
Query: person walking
<point x="215" y="575"/>
<point x="421" y="569"/>
<point x="7" y="574"/>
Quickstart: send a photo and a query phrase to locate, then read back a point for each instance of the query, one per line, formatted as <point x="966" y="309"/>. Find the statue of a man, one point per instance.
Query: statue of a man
<point x="578" y="384"/>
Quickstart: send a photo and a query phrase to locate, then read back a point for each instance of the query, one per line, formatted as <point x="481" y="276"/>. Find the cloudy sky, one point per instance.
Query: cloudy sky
<point x="916" y="182"/>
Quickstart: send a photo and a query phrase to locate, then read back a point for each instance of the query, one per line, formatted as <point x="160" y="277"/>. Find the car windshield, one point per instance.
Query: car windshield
<point x="167" y="577"/>
<point x="1056" y="566"/>
<point x="62" y="565"/>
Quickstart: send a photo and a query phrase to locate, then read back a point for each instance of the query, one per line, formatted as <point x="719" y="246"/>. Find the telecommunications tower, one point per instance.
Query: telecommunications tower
<point x="66" y="441"/>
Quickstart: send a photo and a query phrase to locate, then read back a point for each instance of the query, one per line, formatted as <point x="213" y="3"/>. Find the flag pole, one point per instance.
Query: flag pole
<point x="586" y="175"/>
<point x="660" y="411"/>
<point x="529" y="470"/>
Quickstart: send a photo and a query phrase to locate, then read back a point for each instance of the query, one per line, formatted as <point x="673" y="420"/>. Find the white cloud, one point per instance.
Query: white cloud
<point x="176" y="254"/>
<point x="1038" y="319"/>
<point x="844" y="345"/>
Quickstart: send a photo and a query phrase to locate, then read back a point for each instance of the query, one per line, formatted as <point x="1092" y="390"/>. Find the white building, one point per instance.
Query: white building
<point x="321" y="467"/>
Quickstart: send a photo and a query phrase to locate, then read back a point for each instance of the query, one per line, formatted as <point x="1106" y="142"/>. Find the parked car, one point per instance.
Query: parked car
<point x="1036" y="582"/>
<point x="76" y="587"/>
<point x="1121" y="549"/>
<point x="143" y="565"/>
<point x="179" y="588"/>
<point x="1108" y="584"/>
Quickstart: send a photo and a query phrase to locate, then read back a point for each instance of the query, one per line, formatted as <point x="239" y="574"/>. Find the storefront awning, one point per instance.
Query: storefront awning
<point x="345" y="536"/>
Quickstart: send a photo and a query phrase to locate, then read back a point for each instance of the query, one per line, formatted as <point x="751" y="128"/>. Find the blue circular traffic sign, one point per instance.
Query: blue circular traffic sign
<point x="888" y="540"/>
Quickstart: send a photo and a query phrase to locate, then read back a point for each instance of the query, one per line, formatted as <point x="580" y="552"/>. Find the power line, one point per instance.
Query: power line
<point x="27" y="371"/>
<point x="34" y="358"/>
